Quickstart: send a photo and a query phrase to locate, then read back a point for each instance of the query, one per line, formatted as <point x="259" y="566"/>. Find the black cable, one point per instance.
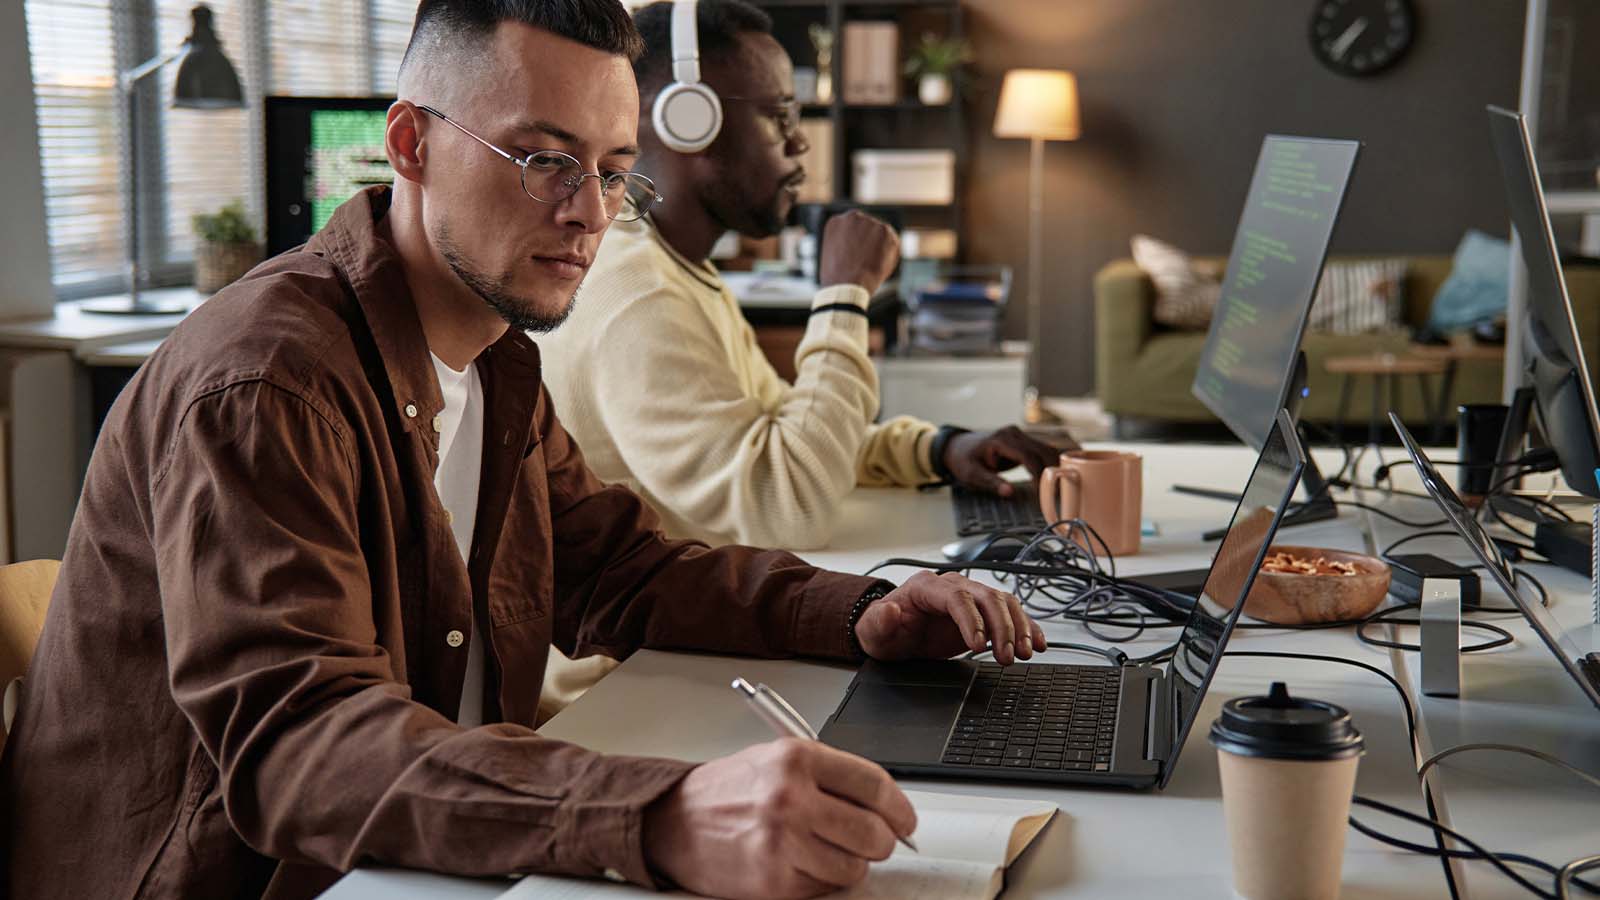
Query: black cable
<point x="1475" y="852"/>
<point x="1385" y="552"/>
<point x="1383" y="617"/>
<point x="1391" y="516"/>
<point x="1494" y="511"/>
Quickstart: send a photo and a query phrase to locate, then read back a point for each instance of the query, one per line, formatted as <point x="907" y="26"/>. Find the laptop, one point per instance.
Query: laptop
<point x="1578" y="649"/>
<point x="1099" y="725"/>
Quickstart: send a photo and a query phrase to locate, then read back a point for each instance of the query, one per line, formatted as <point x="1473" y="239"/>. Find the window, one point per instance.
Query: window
<point x="191" y="161"/>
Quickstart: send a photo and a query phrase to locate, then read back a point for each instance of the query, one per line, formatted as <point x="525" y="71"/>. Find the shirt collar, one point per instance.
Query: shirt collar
<point x="372" y="267"/>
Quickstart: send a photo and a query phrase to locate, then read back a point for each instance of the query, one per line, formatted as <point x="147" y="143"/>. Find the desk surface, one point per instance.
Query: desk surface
<point x="1171" y="843"/>
<point x="71" y="328"/>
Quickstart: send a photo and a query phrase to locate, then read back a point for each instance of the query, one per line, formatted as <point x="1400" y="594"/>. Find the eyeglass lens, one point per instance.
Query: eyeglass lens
<point x="552" y="177"/>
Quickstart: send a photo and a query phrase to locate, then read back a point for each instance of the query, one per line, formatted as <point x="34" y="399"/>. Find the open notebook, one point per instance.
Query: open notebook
<point x="967" y="843"/>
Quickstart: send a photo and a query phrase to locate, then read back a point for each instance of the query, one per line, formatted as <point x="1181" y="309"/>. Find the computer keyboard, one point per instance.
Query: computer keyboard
<point x="983" y="513"/>
<point x="1037" y="717"/>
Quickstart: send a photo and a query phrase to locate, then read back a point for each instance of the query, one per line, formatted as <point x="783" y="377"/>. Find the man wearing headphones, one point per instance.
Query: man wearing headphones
<point x="725" y="449"/>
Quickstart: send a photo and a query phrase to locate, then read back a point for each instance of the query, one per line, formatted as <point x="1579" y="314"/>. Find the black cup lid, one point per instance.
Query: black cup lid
<point x="1279" y="726"/>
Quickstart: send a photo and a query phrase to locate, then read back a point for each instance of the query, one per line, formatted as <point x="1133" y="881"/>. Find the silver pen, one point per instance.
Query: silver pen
<point x="783" y="719"/>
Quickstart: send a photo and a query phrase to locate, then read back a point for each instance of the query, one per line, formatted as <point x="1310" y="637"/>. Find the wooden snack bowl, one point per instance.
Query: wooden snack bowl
<point x="1284" y="598"/>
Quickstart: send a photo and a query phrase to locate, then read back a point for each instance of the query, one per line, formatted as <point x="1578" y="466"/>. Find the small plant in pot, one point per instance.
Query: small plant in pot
<point x="225" y="248"/>
<point x="936" y="63"/>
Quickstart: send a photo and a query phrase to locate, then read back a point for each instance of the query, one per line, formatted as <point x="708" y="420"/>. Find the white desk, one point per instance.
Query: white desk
<point x="1143" y="844"/>
<point x="1514" y="695"/>
<point x="73" y="329"/>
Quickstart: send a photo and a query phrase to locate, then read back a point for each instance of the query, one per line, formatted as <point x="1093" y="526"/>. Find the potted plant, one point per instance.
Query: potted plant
<point x="935" y="62"/>
<point x="225" y="248"/>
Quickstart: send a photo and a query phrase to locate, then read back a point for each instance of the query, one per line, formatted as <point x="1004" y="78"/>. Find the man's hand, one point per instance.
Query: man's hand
<point x="976" y="459"/>
<point x="789" y="818"/>
<point x="937" y="616"/>
<point x="858" y="249"/>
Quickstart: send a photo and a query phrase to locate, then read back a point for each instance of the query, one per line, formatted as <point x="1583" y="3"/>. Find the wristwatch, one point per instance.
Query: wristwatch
<point x="873" y="594"/>
<point x="941" y="440"/>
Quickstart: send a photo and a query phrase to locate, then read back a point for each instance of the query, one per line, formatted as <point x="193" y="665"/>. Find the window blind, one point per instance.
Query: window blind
<point x="202" y="159"/>
<point x="206" y="158"/>
<point x="74" y="76"/>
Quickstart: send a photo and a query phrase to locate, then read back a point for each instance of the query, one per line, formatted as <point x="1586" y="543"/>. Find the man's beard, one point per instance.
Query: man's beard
<point x="517" y="312"/>
<point x="733" y="211"/>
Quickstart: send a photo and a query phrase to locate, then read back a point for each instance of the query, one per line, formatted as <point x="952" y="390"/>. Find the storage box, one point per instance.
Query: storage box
<point x="871" y="65"/>
<point x="928" y="243"/>
<point x="911" y="177"/>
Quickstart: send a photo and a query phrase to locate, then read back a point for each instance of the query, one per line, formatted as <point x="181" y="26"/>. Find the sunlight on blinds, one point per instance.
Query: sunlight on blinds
<point x="206" y="152"/>
<point x="74" y="76"/>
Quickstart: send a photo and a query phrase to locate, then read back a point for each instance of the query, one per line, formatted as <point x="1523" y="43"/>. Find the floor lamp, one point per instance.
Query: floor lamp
<point x="1040" y="105"/>
<point x="206" y="80"/>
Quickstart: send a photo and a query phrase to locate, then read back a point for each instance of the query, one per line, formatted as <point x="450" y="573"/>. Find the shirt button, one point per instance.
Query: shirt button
<point x="614" y="875"/>
<point x="438" y="423"/>
<point x="455" y="638"/>
<point x="411" y="410"/>
<point x="449" y="519"/>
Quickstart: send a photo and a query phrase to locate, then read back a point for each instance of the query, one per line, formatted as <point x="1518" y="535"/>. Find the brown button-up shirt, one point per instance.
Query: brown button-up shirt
<point x="252" y="663"/>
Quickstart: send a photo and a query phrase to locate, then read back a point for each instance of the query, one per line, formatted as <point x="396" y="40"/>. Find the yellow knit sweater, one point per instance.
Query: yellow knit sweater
<point x="659" y="378"/>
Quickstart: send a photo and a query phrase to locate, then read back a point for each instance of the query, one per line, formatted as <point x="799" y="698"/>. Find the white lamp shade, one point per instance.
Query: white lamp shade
<point x="1038" y="103"/>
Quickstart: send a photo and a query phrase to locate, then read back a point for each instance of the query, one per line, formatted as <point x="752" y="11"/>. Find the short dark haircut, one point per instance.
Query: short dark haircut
<point x="601" y="24"/>
<point x="718" y="22"/>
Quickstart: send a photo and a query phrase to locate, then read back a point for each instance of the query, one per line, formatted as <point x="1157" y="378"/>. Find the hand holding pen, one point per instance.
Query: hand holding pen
<point x="785" y="721"/>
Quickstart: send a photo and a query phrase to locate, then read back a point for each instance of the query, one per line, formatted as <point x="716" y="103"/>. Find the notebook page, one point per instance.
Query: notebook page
<point x="906" y="876"/>
<point x="987" y="830"/>
<point x="965" y="842"/>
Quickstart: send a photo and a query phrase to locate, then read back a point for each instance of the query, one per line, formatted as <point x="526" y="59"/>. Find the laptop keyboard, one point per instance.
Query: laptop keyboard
<point x="982" y="513"/>
<point x="1037" y="717"/>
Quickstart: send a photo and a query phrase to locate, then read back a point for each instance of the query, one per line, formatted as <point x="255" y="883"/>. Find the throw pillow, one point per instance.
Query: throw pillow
<point x="1479" y="283"/>
<point x="1359" y="297"/>
<point x="1186" y="293"/>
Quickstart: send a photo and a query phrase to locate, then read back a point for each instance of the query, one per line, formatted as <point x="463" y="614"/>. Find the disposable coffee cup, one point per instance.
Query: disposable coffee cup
<point x="1288" y="769"/>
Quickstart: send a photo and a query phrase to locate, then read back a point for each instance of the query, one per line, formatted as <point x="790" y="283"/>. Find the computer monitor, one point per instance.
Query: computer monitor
<point x="1552" y="355"/>
<point x="320" y="152"/>
<point x="1246" y="371"/>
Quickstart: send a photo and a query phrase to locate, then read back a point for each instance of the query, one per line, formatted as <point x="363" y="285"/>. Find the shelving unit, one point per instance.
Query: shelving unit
<point x="902" y="125"/>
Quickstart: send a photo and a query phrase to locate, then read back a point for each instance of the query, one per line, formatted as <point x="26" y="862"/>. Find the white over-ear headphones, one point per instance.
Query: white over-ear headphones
<point x="687" y="114"/>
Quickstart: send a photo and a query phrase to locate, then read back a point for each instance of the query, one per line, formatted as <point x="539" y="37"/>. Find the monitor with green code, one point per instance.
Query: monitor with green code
<point x="319" y="152"/>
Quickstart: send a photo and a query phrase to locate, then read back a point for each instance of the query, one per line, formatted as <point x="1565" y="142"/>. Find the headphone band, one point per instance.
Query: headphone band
<point x="685" y="42"/>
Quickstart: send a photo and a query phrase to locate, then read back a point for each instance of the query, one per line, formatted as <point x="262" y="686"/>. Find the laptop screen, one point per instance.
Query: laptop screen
<point x="1233" y="570"/>
<point x="1560" y="642"/>
<point x="1273" y="268"/>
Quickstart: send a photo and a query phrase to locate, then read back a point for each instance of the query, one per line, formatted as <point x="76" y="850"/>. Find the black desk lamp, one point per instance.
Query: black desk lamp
<point x="206" y="80"/>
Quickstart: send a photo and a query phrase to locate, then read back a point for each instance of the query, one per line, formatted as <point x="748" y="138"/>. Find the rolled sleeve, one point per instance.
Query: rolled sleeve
<point x="610" y="814"/>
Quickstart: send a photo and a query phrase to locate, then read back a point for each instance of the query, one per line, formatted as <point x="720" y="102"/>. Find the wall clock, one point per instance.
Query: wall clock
<point x="1362" y="37"/>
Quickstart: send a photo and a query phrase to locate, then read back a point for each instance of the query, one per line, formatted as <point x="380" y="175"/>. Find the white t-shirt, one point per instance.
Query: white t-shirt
<point x="460" y="427"/>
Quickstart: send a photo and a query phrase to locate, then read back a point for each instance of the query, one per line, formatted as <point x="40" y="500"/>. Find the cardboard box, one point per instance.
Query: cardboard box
<point x="910" y="177"/>
<point x="871" y="63"/>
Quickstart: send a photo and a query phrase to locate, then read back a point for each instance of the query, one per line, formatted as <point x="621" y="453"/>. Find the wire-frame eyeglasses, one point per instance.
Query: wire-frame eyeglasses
<point x="550" y="176"/>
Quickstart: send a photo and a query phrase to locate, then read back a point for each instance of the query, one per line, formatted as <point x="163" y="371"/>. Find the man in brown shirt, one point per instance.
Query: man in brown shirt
<point x="251" y="676"/>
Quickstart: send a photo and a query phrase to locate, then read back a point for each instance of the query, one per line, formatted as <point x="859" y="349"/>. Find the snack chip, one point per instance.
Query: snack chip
<point x="1289" y="564"/>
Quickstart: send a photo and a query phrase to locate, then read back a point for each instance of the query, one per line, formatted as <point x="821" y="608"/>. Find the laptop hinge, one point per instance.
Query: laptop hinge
<point x="1158" y="718"/>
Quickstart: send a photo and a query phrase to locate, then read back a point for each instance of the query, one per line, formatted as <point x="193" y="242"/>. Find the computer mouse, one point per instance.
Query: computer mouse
<point x="984" y="547"/>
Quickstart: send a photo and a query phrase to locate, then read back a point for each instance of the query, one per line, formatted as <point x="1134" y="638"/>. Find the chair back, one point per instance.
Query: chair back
<point x="24" y="596"/>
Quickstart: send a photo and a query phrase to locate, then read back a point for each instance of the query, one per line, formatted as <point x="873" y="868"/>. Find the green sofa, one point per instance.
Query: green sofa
<point x="1143" y="371"/>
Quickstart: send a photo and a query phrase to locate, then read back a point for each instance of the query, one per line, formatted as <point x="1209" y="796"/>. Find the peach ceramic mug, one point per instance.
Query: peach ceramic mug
<point x="1104" y="488"/>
